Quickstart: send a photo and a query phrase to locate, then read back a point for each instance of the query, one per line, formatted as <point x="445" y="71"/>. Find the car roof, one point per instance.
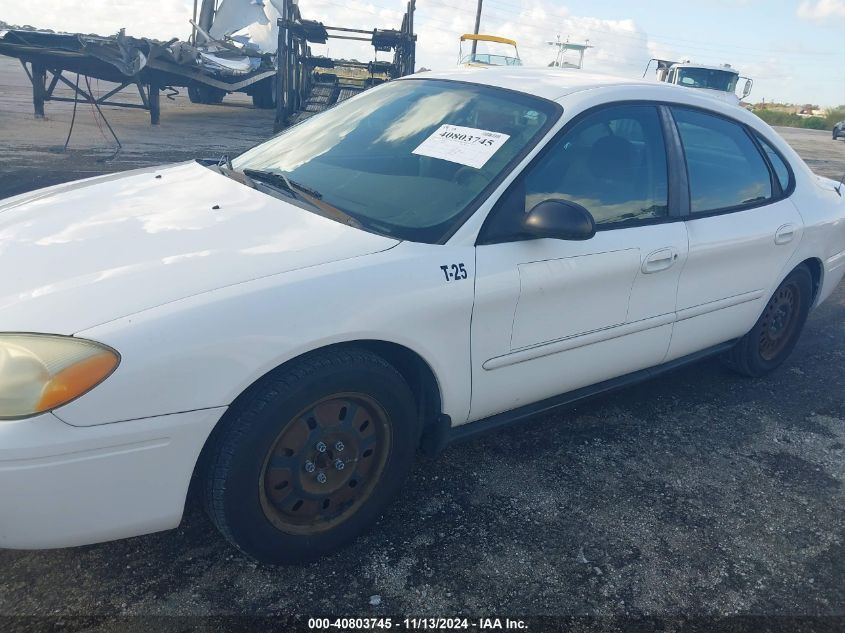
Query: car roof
<point x="556" y="84"/>
<point x="549" y="83"/>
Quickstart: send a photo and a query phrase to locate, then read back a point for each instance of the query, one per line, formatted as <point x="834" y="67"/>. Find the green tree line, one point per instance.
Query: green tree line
<point x="788" y="119"/>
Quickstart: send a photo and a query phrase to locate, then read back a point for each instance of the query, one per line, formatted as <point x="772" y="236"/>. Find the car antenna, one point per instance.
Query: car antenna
<point x="838" y="187"/>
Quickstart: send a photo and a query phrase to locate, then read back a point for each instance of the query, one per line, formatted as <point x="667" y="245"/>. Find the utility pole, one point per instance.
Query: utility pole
<point x="477" y="25"/>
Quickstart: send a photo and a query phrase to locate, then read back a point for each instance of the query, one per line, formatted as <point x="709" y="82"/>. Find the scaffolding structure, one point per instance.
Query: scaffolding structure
<point x="307" y="84"/>
<point x="150" y="66"/>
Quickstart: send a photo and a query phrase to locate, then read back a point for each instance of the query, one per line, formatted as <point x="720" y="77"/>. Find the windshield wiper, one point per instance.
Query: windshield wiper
<point x="280" y="180"/>
<point x="313" y="197"/>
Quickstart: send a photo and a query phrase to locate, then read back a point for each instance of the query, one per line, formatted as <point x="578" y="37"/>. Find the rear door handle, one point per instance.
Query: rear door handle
<point x="785" y="234"/>
<point x="661" y="259"/>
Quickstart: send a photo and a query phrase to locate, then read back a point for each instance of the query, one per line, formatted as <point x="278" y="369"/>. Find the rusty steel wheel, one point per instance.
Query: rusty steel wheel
<point x="311" y="455"/>
<point x="325" y="463"/>
<point x="779" y="320"/>
<point x="776" y="331"/>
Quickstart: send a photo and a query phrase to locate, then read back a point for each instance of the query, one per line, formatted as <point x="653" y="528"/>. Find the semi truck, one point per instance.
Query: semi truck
<point x="721" y="80"/>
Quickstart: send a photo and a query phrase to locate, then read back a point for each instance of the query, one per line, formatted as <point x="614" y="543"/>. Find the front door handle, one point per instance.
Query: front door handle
<point x="661" y="259"/>
<point x="785" y="234"/>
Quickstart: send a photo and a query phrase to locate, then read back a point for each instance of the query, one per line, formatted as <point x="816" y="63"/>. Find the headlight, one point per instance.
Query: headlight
<point x="40" y="372"/>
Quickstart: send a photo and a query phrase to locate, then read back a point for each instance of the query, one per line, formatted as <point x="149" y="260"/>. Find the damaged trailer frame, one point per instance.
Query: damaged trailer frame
<point x="150" y="65"/>
<point x="302" y="90"/>
<point x="290" y="79"/>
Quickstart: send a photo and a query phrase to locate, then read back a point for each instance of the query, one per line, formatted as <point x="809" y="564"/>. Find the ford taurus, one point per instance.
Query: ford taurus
<point x="437" y="256"/>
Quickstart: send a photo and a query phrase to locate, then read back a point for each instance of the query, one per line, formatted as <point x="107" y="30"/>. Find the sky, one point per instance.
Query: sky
<point x="791" y="48"/>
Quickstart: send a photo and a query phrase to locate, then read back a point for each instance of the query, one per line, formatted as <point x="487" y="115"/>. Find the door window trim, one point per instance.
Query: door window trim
<point x="673" y="177"/>
<point x="752" y="134"/>
<point x="679" y="191"/>
<point x="678" y="171"/>
<point x="759" y="139"/>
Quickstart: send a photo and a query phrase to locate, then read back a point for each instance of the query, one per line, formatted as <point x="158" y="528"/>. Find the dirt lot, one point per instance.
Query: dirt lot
<point x="32" y="151"/>
<point x="697" y="493"/>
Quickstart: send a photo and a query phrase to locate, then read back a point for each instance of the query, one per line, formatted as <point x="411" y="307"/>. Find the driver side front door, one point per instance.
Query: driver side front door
<point x="552" y="316"/>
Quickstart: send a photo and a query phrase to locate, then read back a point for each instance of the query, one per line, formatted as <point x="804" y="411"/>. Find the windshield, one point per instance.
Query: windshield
<point x="409" y="158"/>
<point x="707" y="78"/>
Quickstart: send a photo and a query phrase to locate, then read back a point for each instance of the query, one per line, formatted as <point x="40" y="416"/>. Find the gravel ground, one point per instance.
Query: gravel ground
<point x="697" y="493"/>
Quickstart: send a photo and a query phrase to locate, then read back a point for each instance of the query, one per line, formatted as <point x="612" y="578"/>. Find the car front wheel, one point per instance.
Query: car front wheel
<point x="311" y="456"/>
<point x="776" y="332"/>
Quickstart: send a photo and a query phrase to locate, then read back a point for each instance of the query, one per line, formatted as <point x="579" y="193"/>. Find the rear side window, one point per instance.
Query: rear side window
<point x="778" y="164"/>
<point x="726" y="169"/>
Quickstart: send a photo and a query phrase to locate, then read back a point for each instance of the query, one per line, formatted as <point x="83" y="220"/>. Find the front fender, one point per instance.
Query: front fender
<point x="202" y="352"/>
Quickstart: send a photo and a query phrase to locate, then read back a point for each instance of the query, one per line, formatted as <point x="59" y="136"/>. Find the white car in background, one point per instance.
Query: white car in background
<point x="437" y="256"/>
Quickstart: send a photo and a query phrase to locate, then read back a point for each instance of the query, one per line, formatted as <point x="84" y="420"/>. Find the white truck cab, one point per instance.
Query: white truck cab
<point x="721" y="80"/>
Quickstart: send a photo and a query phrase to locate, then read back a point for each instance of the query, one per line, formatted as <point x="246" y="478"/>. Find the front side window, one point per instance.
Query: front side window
<point x="725" y="168"/>
<point x="612" y="162"/>
<point x="407" y="158"/>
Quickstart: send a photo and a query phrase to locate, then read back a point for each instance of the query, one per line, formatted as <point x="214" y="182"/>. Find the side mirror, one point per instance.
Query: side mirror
<point x="747" y="89"/>
<point x="560" y="220"/>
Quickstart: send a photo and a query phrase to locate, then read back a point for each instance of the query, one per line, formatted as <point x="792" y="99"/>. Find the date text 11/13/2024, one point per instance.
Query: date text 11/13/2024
<point x="416" y="624"/>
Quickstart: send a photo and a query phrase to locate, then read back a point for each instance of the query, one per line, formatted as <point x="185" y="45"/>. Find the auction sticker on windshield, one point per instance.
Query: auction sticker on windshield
<point x="463" y="145"/>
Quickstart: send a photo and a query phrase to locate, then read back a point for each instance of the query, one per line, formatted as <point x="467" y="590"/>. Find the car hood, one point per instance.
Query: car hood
<point x="77" y="255"/>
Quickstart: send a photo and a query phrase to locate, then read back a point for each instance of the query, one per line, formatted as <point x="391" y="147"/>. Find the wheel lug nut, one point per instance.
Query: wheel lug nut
<point x="321" y="478"/>
<point x="321" y="447"/>
<point x="339" y="464"/>
<point x="339" y="446"/>
<point x="309" y="466"/>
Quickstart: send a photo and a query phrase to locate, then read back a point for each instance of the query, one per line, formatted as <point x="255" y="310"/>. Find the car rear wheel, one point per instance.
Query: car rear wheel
<point x="776" y="332"/>
<point x="311" y="457"/>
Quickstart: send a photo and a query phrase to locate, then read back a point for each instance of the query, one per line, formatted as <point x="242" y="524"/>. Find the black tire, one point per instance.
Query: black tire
<point x="240" y="477"/>
<point x="264" y="94"/>
<point x="778" y="329"/>
<point x="206" y="95"/>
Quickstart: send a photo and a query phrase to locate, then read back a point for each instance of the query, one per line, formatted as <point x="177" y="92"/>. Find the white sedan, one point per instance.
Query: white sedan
<point x="438" y="256"/>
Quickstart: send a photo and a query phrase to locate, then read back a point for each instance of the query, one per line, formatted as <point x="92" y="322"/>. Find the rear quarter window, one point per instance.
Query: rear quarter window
<point x="778" y="163"/>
